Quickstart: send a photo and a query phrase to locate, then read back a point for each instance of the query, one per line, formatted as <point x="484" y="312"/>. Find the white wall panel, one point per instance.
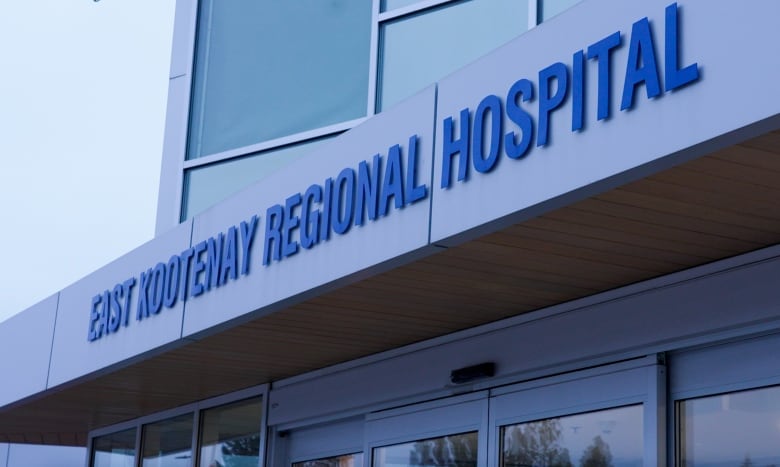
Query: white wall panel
<point x="734" y="90"/>
<point x="661" y="318"/>
<point x="73" y="355"/>
<point x="349" y="256"/>
<point x="25" y="371"/>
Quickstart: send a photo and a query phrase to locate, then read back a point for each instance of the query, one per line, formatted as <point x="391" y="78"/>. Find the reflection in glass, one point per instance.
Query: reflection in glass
<point x="422" y="48"/>
<point x="208" y="185"/>
<point x="350" y="460"/>
<point x="230" y="435"/>
<point x="168" y="443"/>
<point x="739" y="429"/>
<point x="447" y="451"/>
<point x="269" y="69"/>
<point x="114" y="450"/>
<point x="550" y="8"/>
<point x="607" y="438"/>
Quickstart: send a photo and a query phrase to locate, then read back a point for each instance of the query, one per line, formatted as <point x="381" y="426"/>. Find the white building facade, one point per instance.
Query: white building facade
<point x="438" y="233"/>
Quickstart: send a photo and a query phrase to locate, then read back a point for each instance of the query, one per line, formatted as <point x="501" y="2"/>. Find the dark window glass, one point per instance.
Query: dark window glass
<point x="230" y="435"/>
<point x="114" y="450"/>
<point x="447" y="451"/>
<point x="740" y="429"/>
<point x="606" y="438"/>
<point x="168" y="443"/>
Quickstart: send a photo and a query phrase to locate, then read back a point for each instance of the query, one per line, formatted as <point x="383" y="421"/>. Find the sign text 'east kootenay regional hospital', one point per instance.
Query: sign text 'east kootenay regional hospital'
<point x="473" y="139"/>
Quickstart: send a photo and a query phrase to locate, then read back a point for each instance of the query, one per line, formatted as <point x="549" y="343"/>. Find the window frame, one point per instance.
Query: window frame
<point x="328" y="439"/>
<point x="600" y="388"/>
<point x="433" y="419"/>
<point x="711" y="370"/>
<point x="181" y="84"/>
<point x="196" y="408"/>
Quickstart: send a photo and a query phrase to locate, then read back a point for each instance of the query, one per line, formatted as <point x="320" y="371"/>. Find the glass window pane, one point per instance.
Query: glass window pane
<point x="736" y="429"/>
<point x="422" y="48"/>
<point x="550" y="8"/>
<point x="168" y="443"/>
<point x="208" y="185"/>
<point x="597" y="439"/>
<point x="448" y="451"/>
<point x="114" y="450"/>
<point x="274" y="68"/>
<point x="230" y="435"/>
<point x="350" y="460"/>
<point x="387" y="5"/>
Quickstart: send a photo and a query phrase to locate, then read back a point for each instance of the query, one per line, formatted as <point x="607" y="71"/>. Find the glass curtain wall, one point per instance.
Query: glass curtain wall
<point x="272" y="78"/>
<point x="604" y="438"/>
<point x="205" y="185"/>
<point x="740" y="429"/>
<point x="421" y="48"/>
<point x="449" y="451"/>
<point x="168" y="443"/>
<point x="230" y="435"/>
<point x="114" y="450"/>
<point x="267" y="69"/>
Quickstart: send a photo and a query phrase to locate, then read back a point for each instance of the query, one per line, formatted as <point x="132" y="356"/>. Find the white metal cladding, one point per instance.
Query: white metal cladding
<point x="31" y="331"/>
<point x="717" y="302"/>
<point x="402" y="231"/>
<point x="73" y="355"/>
<point x="317" y="442"/>
<point x="730" y="44"/>
<point x="174" y="145"/>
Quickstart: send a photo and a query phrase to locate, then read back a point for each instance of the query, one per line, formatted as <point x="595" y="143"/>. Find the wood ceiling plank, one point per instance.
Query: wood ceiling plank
<point x="769" y="141"/>
<point x="749" y="238"/>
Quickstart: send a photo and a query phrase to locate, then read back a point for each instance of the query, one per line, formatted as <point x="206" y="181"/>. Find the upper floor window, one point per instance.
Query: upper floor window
<point x="268" y="69"/>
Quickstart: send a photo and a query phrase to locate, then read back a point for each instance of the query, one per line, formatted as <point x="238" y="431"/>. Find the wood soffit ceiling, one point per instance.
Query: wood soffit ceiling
<point x="714" y="207"/>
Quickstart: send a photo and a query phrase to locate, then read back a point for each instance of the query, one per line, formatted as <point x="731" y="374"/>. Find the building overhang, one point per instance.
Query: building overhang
<point x="672" y="183"/>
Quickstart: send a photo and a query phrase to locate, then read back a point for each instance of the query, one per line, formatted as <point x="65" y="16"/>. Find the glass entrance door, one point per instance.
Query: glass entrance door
<point x="331" y="444"/>
<point x="457" y="450"/>
<point x="447" y="433"/>
<point x="606" y="417"/>
<point x="603" y="438"/>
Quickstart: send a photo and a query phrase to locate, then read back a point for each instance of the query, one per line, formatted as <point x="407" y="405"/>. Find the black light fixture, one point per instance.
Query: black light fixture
<point x="470" y="373"/>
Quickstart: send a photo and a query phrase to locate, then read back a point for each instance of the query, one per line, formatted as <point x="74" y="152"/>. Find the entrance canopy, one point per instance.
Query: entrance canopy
<point x="502" y="190"/>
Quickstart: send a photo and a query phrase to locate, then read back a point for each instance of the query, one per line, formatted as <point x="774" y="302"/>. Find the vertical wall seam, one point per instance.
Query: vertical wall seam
<point x="433" y="158"/>
<point x="535" y="11"/>
<point x="184" y="302"/>
<point x="51" y="347"/>
<point x="7" y="454"/>
<point x="373" y="61"/>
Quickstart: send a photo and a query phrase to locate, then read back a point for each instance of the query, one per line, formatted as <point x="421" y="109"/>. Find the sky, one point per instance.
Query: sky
<point x="83" y="89"/>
